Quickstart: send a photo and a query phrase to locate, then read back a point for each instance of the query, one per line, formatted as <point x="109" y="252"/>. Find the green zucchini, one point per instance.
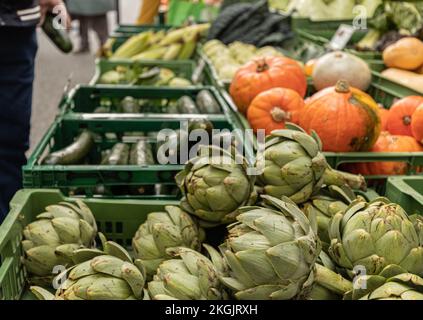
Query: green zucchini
<point x="187" y="106"/>
<point x="59" y="36"/>
<point x="118" y="156"/>
<point x="206" y="103"/>
<point x="141" y="154"/>
<point x="74" y="153"/>
<point x="102" y="109"/>
<point x="172" y="107"/>
<point x="201" y="124"/>
<point x="130" y="105"/>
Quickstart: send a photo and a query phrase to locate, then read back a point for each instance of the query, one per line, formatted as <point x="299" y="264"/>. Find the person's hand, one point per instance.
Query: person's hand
<point x="57" y="7"/>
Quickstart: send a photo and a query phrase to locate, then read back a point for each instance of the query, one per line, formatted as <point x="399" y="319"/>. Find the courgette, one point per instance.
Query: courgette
<point x="206" y="103"/>
<point x="141" y="154"/>
<point x="59" y="36"/>
<point x="118" y="156"/>
<point x="102" y="109"/>
<point x="201" y="124"/>
<point x="74" y="153"/>
<point x="150" y="76"/>
<point x="187" y="106"/>
<point x="130" y="105"/>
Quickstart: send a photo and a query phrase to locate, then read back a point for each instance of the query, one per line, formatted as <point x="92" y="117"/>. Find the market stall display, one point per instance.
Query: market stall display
<point x="222" y="222"/>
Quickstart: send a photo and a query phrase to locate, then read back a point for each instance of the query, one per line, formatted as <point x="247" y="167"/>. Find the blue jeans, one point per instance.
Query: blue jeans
<point x="17" y="57"/>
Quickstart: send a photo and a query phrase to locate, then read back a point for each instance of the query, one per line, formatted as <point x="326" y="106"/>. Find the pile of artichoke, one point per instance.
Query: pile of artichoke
<point x="300" y="233"/>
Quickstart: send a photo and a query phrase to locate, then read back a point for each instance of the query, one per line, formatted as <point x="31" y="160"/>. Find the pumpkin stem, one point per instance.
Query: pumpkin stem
<point x="406" y="120"/>
<point x="342" y="86"/>
<point x="280" y="115"/>
<point x="262" y="65"/>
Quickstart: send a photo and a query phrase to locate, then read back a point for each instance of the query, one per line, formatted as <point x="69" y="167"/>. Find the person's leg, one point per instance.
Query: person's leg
<point x="149" y="10"/>
<point x="83" y="33"/>
<point x="100" y="26"/>
<point x="17" y="58"/>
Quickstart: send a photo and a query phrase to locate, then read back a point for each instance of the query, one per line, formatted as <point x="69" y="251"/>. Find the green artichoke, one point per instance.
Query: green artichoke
<point x="294" y="166"/>
<point x="271" y="252"/>
<point x="51" y="240"/>
<point x="329" y="201"/>
<point x="110" y="274"/>
<point x="393" y="283"/>
<point x="162" y="230"/>
<point x="192" y="277"/>
<point x="367" y="237"/>
<point x="215" y="185"/>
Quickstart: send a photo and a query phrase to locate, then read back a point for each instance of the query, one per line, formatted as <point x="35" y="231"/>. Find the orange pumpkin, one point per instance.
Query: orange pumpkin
<point x="272" y="108"/>
<point x="383" y="114"/>
<point x="387" y="143"/>
<point x="399" y="117"/>
<point x="263" y="74"/>
<point x="345" y="118"/>
<point x="309" y="67"/>
<point x="417" y="124"/>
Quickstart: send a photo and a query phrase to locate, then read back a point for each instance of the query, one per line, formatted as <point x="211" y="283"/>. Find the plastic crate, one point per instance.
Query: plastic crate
<point x="407" y="192"/>
<point x="83" y="100"/>
<point x="117" y="219"/>
<point x="116" y="180"/>
<point x="130" y="29"/>
<point x="182" y="68"/>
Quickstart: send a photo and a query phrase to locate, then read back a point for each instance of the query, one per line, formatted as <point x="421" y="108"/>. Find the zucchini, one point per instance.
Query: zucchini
<point x="130" y="105"/>
<point x="201" y="124"/>
<point x="172" y="107"/>
<point x="150" y="76"/>
<point x="141" y="154"/>
<point x="59" y="36"/>
<point x="102" y="109"/>
<point x="206" y="103"/>
<point x="118" y="156"/>
<point x="74" y="153"/>
<point x="187" y="106"/>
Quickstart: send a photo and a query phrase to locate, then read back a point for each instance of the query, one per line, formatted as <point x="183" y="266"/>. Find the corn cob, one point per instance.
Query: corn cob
<point x="154" y="54"/>
<point x="157" y="37"/>
<point x="187" y="50"/>
<point x="132" y="46"/>
<point x="172" y="52"/>
<point x="173" y="36"/>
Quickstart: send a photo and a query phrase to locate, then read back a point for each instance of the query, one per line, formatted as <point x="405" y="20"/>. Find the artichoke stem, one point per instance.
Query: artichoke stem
<point x="339" y="178"/>
<point x="331" y="280"/>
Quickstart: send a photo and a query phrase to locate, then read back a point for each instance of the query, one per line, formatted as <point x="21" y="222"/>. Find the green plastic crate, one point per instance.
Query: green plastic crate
<point x="85" y="99"/>
<point x="125" y="29"/>
<point x="182" y="68"/>
<point x="117" y="219"/>
<point x="117" y="180"/>
<point x="408" y="192"/>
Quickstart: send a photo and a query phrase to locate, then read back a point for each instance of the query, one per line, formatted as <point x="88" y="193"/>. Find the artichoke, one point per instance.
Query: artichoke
<point x="110" y="274"/>
<point x="393" y="283"/>
<point x="192" y="277"/>
<point x="271" y="252"/>
<point x="51" y="240"/>
<point x="367" y="237"/>
<point x="329" y="201"/>
<point x="162" y="230"/>
<point x="215" y="185"/>
<point x="294" y="166"/>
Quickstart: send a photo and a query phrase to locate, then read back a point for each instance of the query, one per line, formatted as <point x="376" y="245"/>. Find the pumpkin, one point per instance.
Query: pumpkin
<point x="417" y="124"/>
<point x="420" y="70"/>
<point x="337" y="65"/>
<point x="263" y="74"/>
<point x="406" y="53"/>
<point x="309" y="67"/>
<point x="383" y="115"/>
<point x="345" y="118"/>
<point x="272" y="108"/>
<point x="399" y="116"/>
<point x="387" y="143"/>
<point x="406" y="78"/>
